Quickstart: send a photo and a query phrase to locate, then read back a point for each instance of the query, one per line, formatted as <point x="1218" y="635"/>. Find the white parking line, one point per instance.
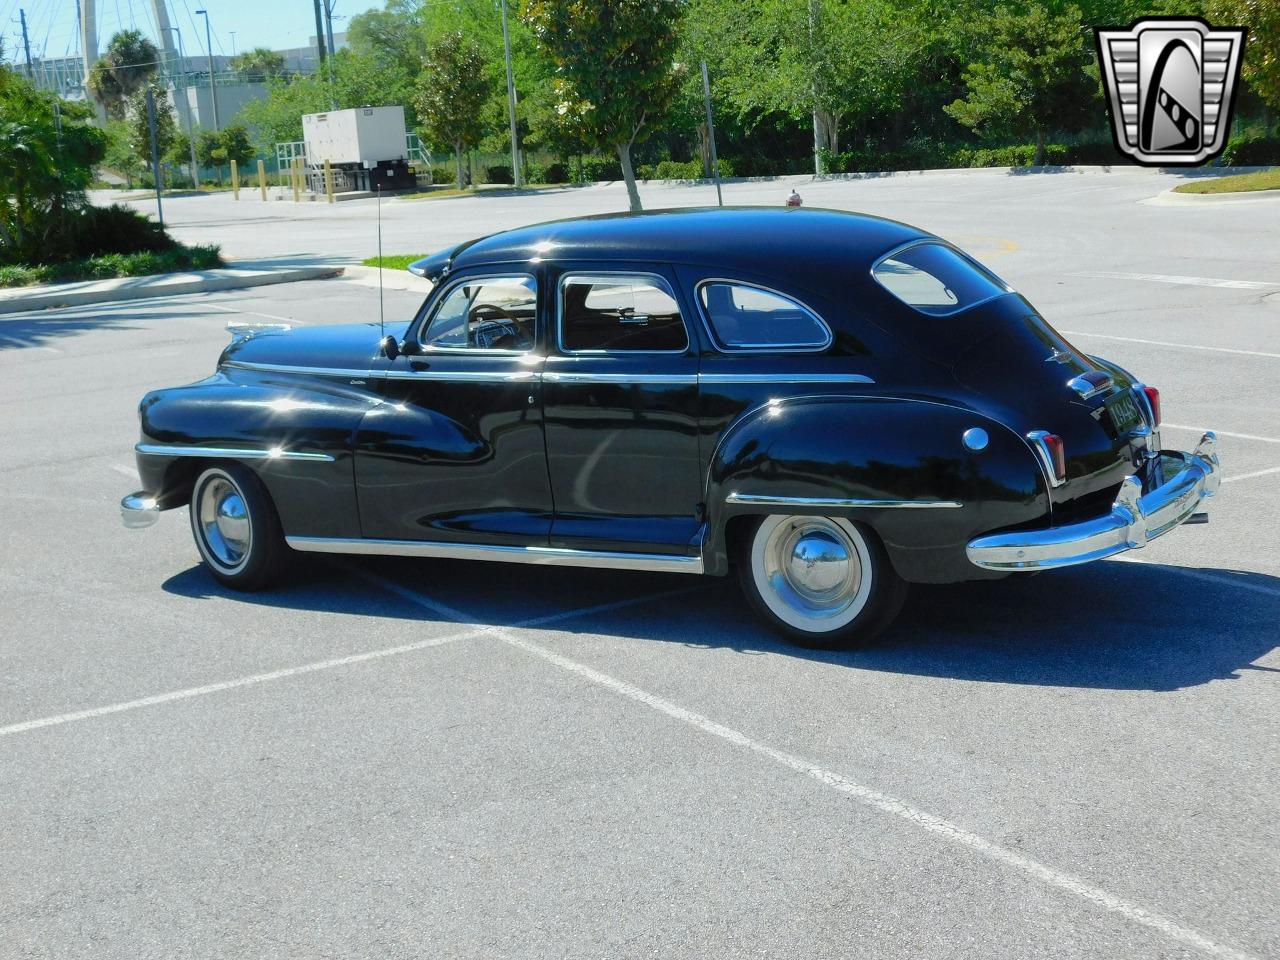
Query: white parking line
<point x="1221" y="433"/>
<point x="864" y="795"/>
<point x="1186" y="281"/>
<point x="1167" y="343"/>
<point x="1250" y="476"/>
<point x="354" y="658"/>
<point x="251" y="313"/>
<point x="120" y="468"/>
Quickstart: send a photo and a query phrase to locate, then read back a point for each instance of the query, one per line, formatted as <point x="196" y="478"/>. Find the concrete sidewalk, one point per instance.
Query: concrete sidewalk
<point x="19" y="299"/>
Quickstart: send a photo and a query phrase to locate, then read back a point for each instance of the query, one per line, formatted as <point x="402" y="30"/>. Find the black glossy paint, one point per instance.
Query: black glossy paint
<point x="508" y="457"/>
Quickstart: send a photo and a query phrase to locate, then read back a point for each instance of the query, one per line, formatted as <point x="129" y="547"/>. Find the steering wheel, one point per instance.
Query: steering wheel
<point x="494" y="324"/>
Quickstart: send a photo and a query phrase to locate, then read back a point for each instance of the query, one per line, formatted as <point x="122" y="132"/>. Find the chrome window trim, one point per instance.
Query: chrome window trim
<point x="938" y="241"/>
<point x="230" y="453"/>
<point x="758" y="348"/>
<point x="424" y="325"/>
<point x="547" y="556"/>
<point x="608" y="276"/>
<point x="841" y="503"/>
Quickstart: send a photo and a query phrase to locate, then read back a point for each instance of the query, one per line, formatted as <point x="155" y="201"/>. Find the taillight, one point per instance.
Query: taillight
<point x="1153" y="401"/>
<point x="1052" y="454"/>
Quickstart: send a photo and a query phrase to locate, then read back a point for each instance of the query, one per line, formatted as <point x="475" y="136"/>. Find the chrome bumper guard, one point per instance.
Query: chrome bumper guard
<point x="139" y="510"/>
<point x="1134" y="519"/>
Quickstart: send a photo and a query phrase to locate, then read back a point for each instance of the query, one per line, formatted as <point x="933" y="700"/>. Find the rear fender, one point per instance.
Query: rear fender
<point x="900" y="466"/>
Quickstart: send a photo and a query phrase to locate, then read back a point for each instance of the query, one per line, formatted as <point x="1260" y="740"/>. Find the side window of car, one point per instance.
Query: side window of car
<point x="488" y="313"/>
<point x="622" y="312"/>
<point x="745" y="317"/>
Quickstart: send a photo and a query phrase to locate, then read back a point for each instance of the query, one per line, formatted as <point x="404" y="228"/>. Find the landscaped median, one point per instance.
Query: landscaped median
<point x="1240" y="183"/>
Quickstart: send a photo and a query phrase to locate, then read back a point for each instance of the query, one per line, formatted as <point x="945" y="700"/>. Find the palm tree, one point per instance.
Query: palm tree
<point x="130" y="62"/>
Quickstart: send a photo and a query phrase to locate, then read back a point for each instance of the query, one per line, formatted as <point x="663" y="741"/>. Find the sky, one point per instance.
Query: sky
<point x="53" y="28"/>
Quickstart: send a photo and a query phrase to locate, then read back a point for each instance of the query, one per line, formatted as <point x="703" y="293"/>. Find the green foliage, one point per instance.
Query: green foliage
<point x="393" y="261"/>
<point x="1261" y="67"/>
<point x="119" y="155"/>
<point x="615" y="75"/>
<point x="259" y="64"/>
<point x="678" y="170"/>
<point x="117" y="229"/>
<point x="130" y="62"/>
<point x="547" y="173"/>
<point x="112" y="265"/>
<point x="1241" y="183"/>
<point x="236" y="144"/>
<point x="498" y="173"/>
<point x="450" y="94"/>
<point x="1031" y="77"/>
<point x="43" y="171"/>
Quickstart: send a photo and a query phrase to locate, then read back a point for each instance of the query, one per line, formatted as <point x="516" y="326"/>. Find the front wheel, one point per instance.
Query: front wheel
<point x="236" y="528"/>
<point x="823" y="582"/>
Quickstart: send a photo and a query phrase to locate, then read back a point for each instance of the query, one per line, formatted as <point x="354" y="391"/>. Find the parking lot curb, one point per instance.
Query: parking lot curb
<point x="21" y="299"/>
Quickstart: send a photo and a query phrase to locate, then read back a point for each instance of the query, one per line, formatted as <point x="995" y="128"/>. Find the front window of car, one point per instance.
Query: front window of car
<point x="747" y="317"/>
<point x="487" y="313"/>
<point x="620" y="313"/>
<point x="936" y="279"/>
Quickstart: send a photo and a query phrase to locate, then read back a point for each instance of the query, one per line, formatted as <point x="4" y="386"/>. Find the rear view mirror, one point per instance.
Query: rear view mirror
<point x="389" y="347"/>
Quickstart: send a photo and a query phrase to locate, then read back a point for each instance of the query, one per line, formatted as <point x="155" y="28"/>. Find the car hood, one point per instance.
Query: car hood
<point x="350" y="346"/>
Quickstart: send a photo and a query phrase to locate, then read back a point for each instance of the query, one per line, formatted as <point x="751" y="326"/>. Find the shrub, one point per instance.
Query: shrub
<point x="594" y="168"/>
<point x="552" y="173"/>
<point x="117" y="229"/>
<point x="498" y="173"/>
<point x="443" y="173"/>
<point x="111" y="265"/>
<point x="1251" y="152"/>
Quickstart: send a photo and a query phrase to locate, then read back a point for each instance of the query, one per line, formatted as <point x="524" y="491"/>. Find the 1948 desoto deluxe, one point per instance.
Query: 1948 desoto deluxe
<point x="835" y="404"/>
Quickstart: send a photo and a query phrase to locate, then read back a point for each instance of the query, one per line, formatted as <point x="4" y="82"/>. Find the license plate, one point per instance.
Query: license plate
<point x="1124" y="413"/>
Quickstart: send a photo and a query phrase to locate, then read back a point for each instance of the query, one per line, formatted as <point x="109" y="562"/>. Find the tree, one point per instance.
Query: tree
<point x="210" y="152"/>
<point x="615" y="76"/>
<point x="1261" y="67"/>
<point x="140" y="128"/>
<point x="1030" y="78"/>
<point x="46" y="162"/>
<point x="259" y="64"/>
<point x="119" y="155"/>
<point x="130" y="62"/>
<point x="451" y="94"/>
<point x="236" y="144"/>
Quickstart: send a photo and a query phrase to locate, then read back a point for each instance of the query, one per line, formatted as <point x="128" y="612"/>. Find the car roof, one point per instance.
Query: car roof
<point x="758" y="239"/>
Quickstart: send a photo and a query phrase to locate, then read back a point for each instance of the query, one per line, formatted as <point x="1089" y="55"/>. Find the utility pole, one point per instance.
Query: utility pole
<point x="233" y="43"/>
<point x="511" y="100"/>
<point x="320" y="50"/>
<point x="328" y="24"/>
<point x="213" y="89"/>
<point x="711" y="134"/>
<point x="26" y="43"/>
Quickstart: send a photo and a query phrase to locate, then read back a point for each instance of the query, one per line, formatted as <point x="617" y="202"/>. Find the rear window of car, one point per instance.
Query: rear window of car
<point x="936" y="279"/>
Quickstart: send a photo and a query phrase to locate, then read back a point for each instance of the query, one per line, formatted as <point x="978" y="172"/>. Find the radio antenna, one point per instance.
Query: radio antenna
<point x="382" y="318"/>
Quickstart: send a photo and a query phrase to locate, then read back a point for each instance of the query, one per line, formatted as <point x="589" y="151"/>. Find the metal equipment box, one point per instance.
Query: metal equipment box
<point x="365" y="135"/>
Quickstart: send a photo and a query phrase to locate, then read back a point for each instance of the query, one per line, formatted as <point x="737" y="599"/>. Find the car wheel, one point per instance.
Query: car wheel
<point x="236" y="528"/>
<point x="821" y="581"/>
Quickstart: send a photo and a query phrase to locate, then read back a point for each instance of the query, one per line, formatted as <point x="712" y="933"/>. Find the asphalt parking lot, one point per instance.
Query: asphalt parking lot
<point x="396" y="758"/>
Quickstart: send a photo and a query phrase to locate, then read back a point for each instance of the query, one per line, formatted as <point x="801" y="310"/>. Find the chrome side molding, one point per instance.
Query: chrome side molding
<point x="760" y="500"/>
<point x="230" y="453"/>
<point x="546" y="556"/>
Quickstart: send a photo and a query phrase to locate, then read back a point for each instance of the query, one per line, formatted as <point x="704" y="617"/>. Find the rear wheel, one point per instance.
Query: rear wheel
<point x="236" y="528"/>
<point x="821" y="581"/>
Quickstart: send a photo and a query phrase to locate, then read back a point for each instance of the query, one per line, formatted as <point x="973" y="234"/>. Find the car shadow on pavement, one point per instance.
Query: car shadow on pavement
<point x="1111" y="625"/>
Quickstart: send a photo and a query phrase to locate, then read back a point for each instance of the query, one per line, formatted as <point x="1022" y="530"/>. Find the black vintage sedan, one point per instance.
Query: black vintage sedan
<point x="833" y="404"/>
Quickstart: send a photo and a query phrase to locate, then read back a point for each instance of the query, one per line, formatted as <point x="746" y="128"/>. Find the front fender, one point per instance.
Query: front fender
<point x="297" y="433"/>
<point x="898" y="465"/>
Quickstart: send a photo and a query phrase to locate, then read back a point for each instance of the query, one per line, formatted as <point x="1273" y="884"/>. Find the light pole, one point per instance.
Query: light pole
<point x="208" y="49"/>
<point x="186" y="109"/>
<point x="233" y="43"/>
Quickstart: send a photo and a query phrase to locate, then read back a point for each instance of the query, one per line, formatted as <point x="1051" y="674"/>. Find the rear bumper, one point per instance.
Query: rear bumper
<point x="1135" y="518"/>
<point x="139" y="510"/>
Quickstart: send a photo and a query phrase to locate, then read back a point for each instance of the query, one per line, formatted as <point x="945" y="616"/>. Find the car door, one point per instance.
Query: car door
<point x="456" y="452"/>
<point x="620" y="398"/>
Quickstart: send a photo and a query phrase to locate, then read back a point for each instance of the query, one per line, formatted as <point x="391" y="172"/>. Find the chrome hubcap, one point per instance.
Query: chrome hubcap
<point x="812" y="571"/>
<point x="224" y="523"/>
